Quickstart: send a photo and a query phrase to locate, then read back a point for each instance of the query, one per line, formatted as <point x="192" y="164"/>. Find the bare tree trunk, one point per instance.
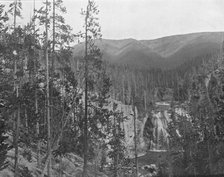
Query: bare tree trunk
<point x="129" y="89"/>
<point x="37" y="127"/>
<point x="85" y="149"/>
<point x="135" y="86"/>
<point x="62" y="125"/>
<point x="145" y="101"/>
<point x="116" y="155"/>
<point x="119" y="133"/>
<point x="38" y="121"/>
<point x="123" y="127"/>
<point x="123" y="89"/>
<point x="135" y="139"/>
<point x="16" y="142"/>
<point x="17" y="127"/>
<point x="48" y="99"/>
<point x="26" y="121"/>
<point x="37" y="131"/>
<point x="51" y="70"/>
<point x="53" y="45"/>
<point x="17" y="114"/>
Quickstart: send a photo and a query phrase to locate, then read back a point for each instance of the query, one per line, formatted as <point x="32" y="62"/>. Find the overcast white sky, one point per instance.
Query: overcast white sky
<point x="146" y="19"/>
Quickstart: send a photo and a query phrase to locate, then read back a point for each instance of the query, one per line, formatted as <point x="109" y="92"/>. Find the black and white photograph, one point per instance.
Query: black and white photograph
<point x="111" y="88"/>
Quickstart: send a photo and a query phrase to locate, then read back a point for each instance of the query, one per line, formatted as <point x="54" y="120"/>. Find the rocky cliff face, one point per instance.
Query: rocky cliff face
<point x="150" y="128"/>
<point x="128" y="127"/>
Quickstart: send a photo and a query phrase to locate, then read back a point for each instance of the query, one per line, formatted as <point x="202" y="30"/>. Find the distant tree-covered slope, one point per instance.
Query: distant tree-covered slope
<point x="165" y="53"/>
<point x="147" y="67"/>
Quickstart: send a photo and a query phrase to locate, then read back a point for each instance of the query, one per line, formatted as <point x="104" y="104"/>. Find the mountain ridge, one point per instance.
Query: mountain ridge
<point x="165" y="53"/>
<point x="172" y="35"/>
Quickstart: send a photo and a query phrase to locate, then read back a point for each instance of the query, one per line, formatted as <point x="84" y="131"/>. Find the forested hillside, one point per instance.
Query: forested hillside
<point x="148" y="79"/>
